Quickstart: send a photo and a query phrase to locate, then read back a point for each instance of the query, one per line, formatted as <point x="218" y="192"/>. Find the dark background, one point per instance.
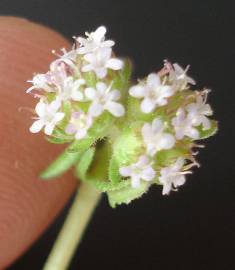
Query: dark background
<point x="192" y="228"/>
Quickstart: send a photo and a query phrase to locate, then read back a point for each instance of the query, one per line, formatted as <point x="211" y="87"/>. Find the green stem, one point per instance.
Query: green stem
<point x="73" y="229"/>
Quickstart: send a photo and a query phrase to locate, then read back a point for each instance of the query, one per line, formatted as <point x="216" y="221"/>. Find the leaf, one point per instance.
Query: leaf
<point x="114" y="175"/>
<point x="84" y="163"/>
<point x="105" y="186"/>
<point x="67" y="159"/>
<point x="126" y="194"/>
<point x="204" y="134"/>
<point x="60" y="165"/>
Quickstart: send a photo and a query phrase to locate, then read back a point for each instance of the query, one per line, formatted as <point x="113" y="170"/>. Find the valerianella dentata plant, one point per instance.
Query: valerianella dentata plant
<point x="124" y="137"/>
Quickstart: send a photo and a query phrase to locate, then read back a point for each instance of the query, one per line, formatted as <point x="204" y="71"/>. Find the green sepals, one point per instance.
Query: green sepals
<point x="122" y="78"/>
<point x="60" y="137"/>
<point x="165" y="158"/>
<point x="85" y="163"/>
<point x="204" y="134"/>
<point x="128" y="146"/>
<point x="90" y="79"/>
<point x="126" y="194"/>
<point x="114" y="175"/>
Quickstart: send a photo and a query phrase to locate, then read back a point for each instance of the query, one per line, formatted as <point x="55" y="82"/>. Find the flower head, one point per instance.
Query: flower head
<point x="99" y="61"/>
<point x="153" y="93"/>
<point x="141" y="170"/>
<point x="103" y="98"/>
<point x="155" y="138"/>
<point x="94" y="40"/>
<point x="79" y="124"/>
<point x="198" y="111"/>
<point x="48" y="116"/>
<point x="172" y="176"/>
<point x="179" y="78"/>
<point x="183" y="126"/>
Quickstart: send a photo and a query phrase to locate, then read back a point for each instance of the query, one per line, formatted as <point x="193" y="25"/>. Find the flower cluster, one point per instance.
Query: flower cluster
<point x="127" y="137"/>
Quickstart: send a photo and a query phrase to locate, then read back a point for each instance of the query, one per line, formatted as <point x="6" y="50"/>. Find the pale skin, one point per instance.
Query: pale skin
<point x="26" y="203"/>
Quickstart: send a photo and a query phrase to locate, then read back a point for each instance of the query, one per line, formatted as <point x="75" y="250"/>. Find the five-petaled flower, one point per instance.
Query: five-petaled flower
<point x="71" y="89"/>
<point x="179" y="78"/>
<point x="48" y="116"/>
<point x="153" y="92"/>
<point x="155" y="138"/>
<point x="141" y="170"/>
<point x="79" y="124"/>
<point x="183" y="126"/>
<point x="94" y="41"/>
<point x="99" y="61"/>
<point x="198" y="111"/>
<point x="172" y="177"/>
<point x="103" y="98"/>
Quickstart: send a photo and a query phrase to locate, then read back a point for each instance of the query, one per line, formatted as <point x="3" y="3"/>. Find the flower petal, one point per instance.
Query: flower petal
<point x="36" y="126"/>
<point x="148" y="174"/>
<point x="96" y="109"/>
<point x="125" y="171"/>
<point x="114" y="64"/>
<point x="147" y="105"/>
<point x="153" y="80"/>
<point x="90" y="93"/>
<point x="81" y="133"/>
<point x="137" y="91"/>
<point x="49" y="128"/>
<point x="115" y="108"/>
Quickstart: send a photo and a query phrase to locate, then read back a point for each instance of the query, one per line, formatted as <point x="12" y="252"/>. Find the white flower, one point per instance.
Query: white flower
<point x="179" y="78"/>
<point x="172" y="176"/>
<point x="103" y="98"/>
<point x="153" y="92"/>
<point x="99" y="61"/>
<point x="183" y="126"/>
<point x="155" y="138"/>
<point x="94" y="41"/>
<point x="71" y="89"/>
<point x="79" y="124"/>
<point x="141" y="170"/>
<point x="198" y="111"/>
<point x="41" y="82"/>
<point x="48" y="116"/>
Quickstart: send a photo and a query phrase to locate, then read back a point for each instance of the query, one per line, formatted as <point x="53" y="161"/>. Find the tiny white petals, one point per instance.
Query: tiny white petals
<point x="40" y="82"/>
<point x="79" y="124"/>
<point x="103" y="98"/>
<point x="155" y="138"/>
<point x="141" y="170"/>
<point x="36" y="126"/>
<point x="179" y="78"/>
<point x="172" y="176"/>
<point x="137" y="91"/>
<point x="99" y="61"/>
<point x="114" y="64"/>
<point x="198" y="111"/>
<point x="71" y="89"/>
<point x="115" y="108"/>
<point x="94" y="41"/>
<point x="48" y="116"/>
<point x="153" y="92"/>
<point x="183" y="126"/>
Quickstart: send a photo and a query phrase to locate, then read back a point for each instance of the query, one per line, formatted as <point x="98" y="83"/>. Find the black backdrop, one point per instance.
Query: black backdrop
<point x="193" y="228"/>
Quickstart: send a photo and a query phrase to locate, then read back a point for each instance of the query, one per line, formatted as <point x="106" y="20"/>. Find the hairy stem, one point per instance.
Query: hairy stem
<point x="73" y="229"/>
